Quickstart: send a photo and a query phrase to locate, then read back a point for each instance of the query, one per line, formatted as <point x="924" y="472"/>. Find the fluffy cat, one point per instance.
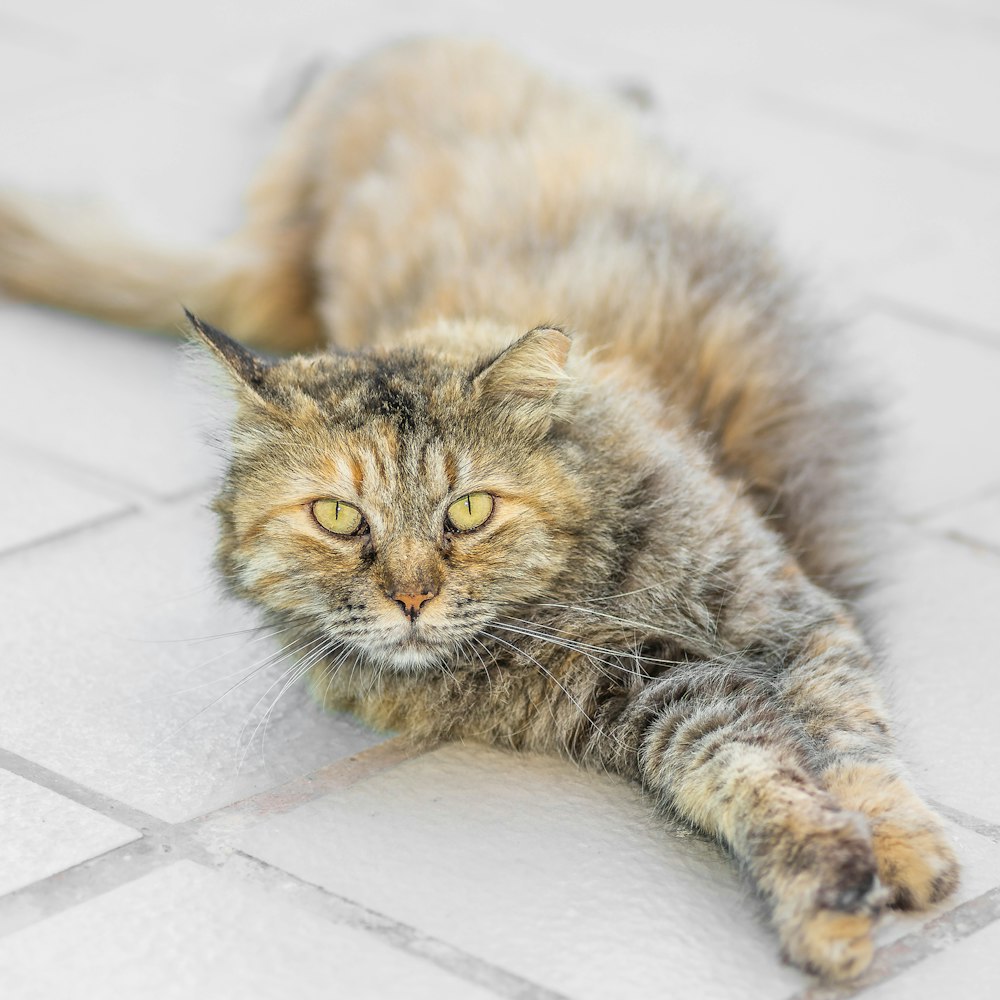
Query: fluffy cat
<point x="642" y="545"/>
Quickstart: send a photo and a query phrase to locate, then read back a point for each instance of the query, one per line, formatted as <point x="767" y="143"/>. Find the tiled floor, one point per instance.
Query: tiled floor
<point x="170" y="831"/>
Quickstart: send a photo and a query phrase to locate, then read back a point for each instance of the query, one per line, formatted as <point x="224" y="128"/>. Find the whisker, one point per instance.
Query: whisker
<point x="313" y="660"/>
<point x="555" y="640"/>
<point x="580" y="646"/>
<point x="205" y="663"/>
<point x="306" y="651"/>
<point x="266" y="662"/>
<point x="209" y="638"/>
<point x="293" y="673"/>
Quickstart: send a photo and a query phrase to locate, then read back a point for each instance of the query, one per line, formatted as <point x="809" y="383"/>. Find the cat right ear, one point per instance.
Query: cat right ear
<point x="247" y="369"/>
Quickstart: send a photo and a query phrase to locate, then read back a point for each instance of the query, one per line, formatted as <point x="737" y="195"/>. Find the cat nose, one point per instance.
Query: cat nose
<point x="412" y="603"/>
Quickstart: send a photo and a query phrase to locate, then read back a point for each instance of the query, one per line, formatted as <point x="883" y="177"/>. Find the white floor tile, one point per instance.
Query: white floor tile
<point x="38" y="500"/>
<point x="940" y="639"/>
<point x="943" y="408"/>
<point x="561" y="876"/>
<point x="115" y="401"/>
<point x="837" y="200"/>
<point x="565" y="877"/>
<point x="45" y="833"/>
<point x="891" y="71"/>
<point x="102" y="684"/>
<point x="188" y="932"/>
<point x="969" y="969"/>
<point x="955" y="279"/>
<point x="977" y="522"/>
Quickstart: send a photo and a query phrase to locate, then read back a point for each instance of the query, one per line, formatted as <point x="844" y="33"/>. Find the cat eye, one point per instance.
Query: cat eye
<point x="337" y="517"/>
<point x="470" y="512"/>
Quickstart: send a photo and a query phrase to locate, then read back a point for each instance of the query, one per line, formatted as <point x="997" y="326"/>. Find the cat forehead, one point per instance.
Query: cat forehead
<point x="401" y="387"/>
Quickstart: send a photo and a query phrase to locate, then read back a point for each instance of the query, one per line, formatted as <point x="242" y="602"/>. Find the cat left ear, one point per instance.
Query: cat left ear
<point x="248" y="368"/>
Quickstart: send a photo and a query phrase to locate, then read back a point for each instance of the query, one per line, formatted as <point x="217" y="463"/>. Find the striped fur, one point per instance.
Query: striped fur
<point x="671" y="584"/>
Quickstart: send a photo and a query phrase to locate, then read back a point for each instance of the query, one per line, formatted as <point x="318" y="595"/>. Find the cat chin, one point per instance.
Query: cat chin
<point x="405" y="659"/>
<point x="413" y="660"/>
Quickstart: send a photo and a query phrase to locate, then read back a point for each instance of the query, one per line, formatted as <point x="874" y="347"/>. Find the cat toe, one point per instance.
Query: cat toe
<point x="916" y="863"/>
<point x="832" y="944"/>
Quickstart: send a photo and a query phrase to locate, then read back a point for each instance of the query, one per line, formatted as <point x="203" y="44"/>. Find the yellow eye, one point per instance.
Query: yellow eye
<point x="470" y="512"/>
<point x="336" y="516"/>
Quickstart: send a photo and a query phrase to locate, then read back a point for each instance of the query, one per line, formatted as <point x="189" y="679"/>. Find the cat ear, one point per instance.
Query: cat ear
<point x="532" y="368"/>
<point x="248" y="369"/>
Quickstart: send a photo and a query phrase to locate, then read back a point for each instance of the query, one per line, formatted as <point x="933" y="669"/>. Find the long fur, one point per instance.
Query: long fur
<point x="670" y="581"/>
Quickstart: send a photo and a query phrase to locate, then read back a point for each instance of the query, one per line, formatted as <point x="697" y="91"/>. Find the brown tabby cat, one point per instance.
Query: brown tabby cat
<point x="642" y="546"/>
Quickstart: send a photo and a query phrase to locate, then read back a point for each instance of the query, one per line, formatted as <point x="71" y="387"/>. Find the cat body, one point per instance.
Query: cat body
<point x="662" y="566"/>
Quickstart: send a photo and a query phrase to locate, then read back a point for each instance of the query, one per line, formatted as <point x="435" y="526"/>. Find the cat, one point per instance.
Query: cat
<point x="557" y="456"/>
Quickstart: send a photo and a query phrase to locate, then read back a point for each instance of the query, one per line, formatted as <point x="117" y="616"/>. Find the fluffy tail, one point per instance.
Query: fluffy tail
<point x="259" y="290"/>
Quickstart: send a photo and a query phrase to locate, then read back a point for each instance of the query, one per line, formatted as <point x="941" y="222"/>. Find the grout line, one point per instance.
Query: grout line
<point x="77" y="529"/>
<point x="917" y="518"/>
<point x="97" y="802"/>
<point x="81" y="883"/>
<point x="983" y="827"/>
<point x="207" y="840"/>
<point x="918" y="522"/>
<point x="934" y="937"/>
<point x="214" y="829"/>
<point x="97" y="479"/>
<point x="936" y="322"/>
<point x="958" y="537"/>
<point x="820" y="115"/>
<point x="94" y="478"/>
<point x="204" y="839"/>
<point x="404" y="937"/>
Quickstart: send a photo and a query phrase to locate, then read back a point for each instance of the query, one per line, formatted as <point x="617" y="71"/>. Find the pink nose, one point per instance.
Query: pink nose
<point x="412" y="603"/>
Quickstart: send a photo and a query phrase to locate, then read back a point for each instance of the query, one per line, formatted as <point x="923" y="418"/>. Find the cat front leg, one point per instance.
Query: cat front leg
<point x="714" y="743"/>
<point x="831" y="688"/>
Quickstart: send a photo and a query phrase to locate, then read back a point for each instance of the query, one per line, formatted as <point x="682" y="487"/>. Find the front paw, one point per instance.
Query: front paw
<point x="831" y="944"/>
<point x="826" y="918"/>
<point x="915" y="860"/>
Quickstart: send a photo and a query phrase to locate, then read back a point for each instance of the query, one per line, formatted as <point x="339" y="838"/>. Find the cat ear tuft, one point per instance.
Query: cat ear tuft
<point x="533" y="367"/>
<point x="248" y="368"/>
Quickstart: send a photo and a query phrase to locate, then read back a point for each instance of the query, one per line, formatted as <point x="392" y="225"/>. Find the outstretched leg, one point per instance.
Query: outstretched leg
<point x="791" y="767"/>
<point x="831" y="689"/>
<point x="714" y="743"/>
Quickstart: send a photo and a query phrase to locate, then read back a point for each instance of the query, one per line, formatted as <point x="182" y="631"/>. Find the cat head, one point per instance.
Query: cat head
<point x="397" y="501"/>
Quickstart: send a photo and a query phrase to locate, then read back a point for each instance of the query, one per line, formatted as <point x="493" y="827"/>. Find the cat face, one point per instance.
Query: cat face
<point x="397" y="503"/>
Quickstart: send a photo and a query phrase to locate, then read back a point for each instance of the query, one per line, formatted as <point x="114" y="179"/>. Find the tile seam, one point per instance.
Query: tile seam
<point x="984" y="827"/>
<point x="934" y="322"/>
<point x="206" y="839"/>
<point x="83" y="795"/>
<point x="836" y="121"/>
<point x="397" y="934"/>
<point x="81" y="883"/>
<point x="82" y="528"/>
<point x="95" y="478"/>
<point x="918" y="519"/>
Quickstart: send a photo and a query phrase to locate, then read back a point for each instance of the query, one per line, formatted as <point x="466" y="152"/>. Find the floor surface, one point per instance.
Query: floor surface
<point x="168" y="832"/>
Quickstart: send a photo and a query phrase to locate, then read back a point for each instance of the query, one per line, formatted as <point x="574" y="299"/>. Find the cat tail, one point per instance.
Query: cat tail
<point x="78" y="259"/>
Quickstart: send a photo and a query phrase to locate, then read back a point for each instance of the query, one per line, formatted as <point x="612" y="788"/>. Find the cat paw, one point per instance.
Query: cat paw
<point x="829" y="911"/>
<point x="915" y="861"/>
<point x="831" y="944"/>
